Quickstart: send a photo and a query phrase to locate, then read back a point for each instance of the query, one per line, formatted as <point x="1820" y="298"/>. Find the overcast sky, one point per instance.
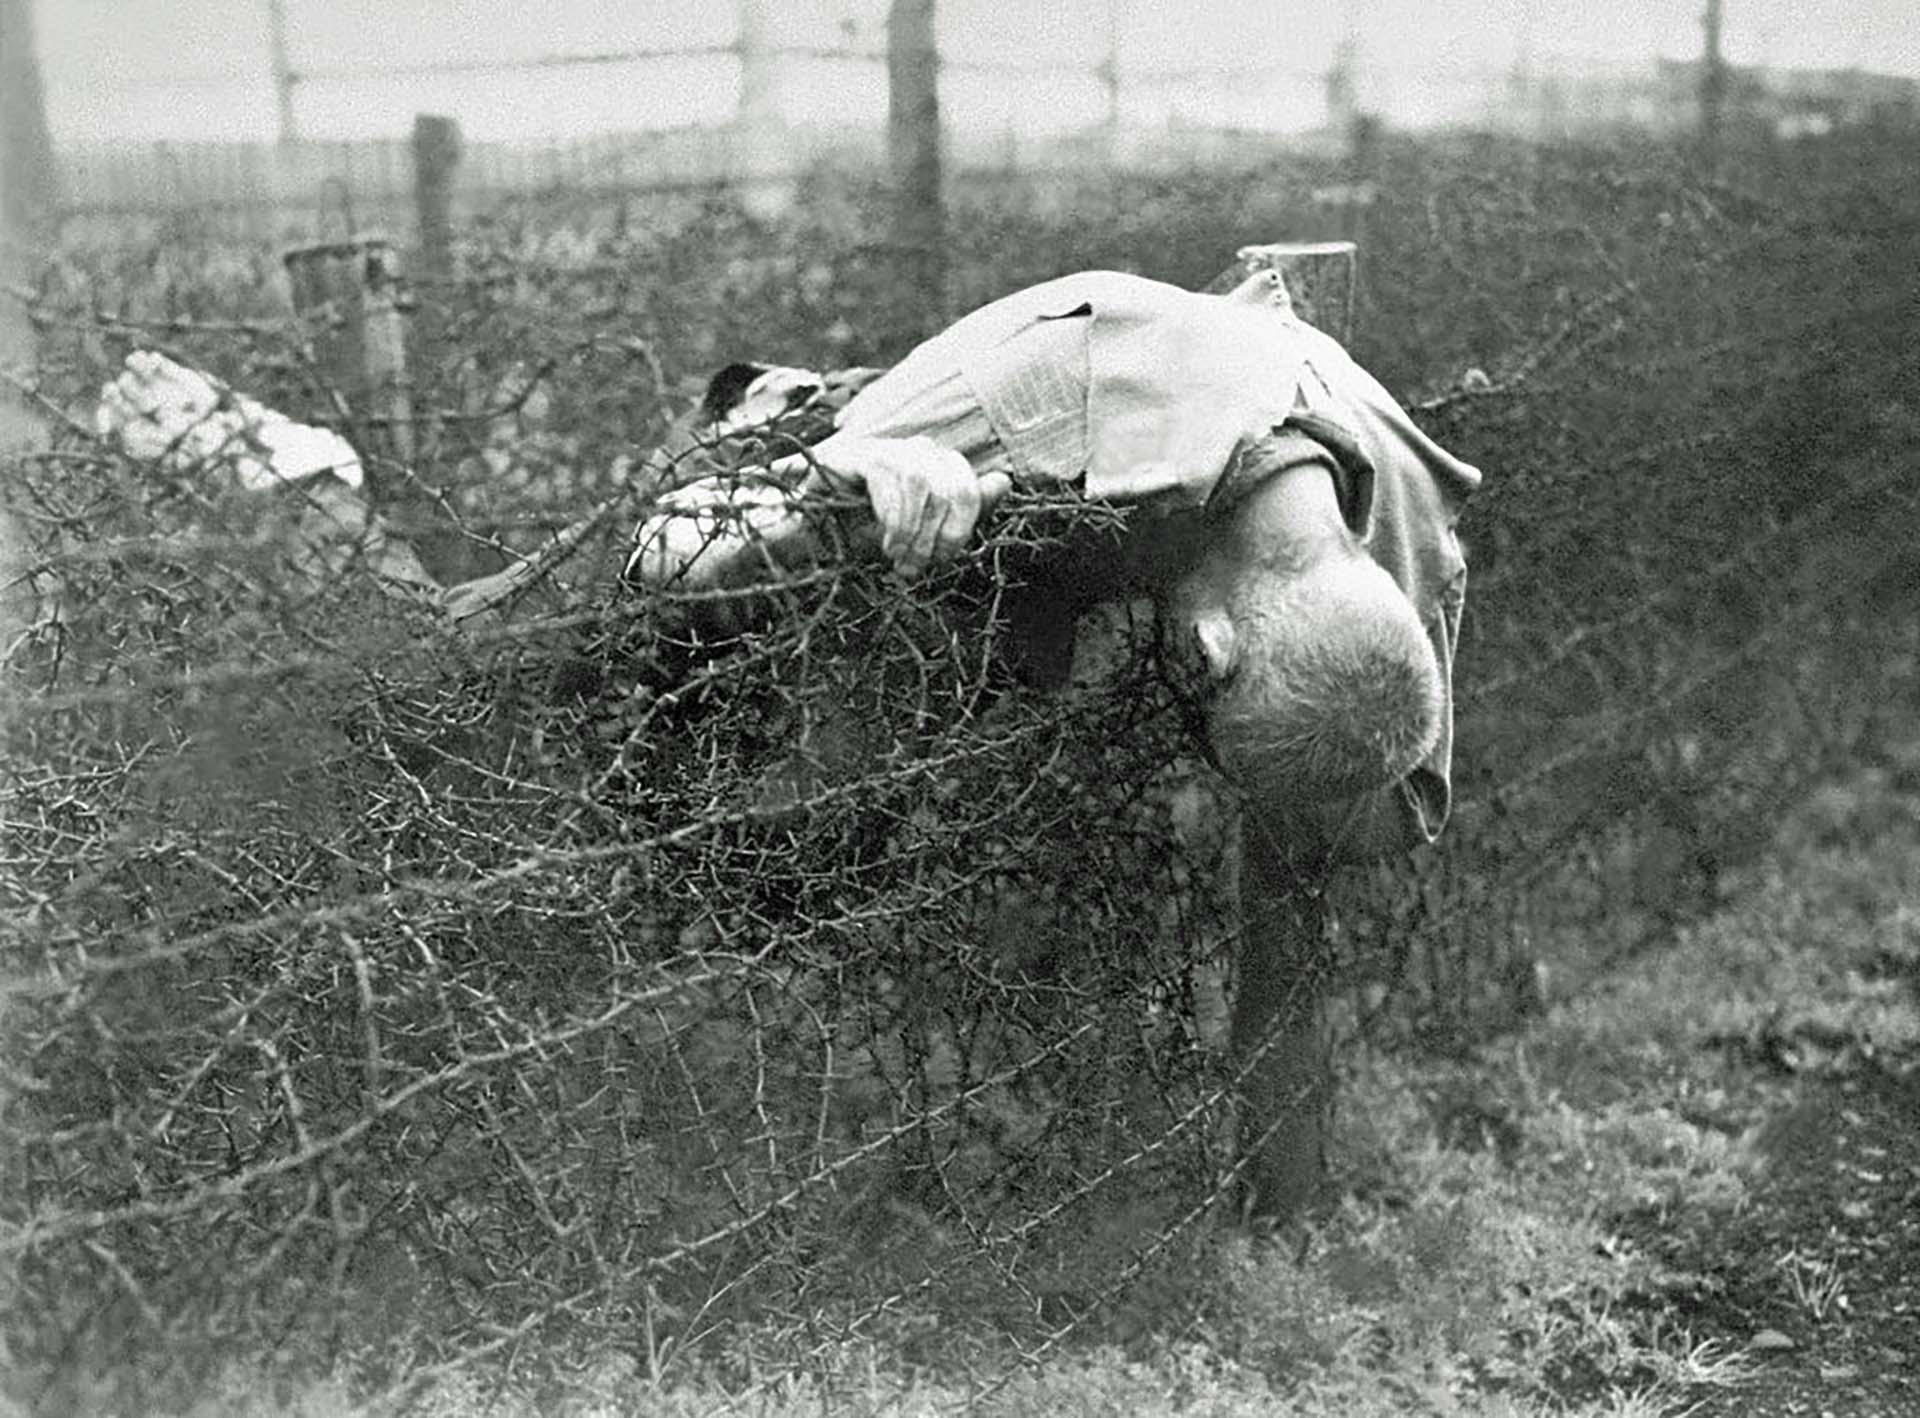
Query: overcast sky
<point x="199" y="69"/>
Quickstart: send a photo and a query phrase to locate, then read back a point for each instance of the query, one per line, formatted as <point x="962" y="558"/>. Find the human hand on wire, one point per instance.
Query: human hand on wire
<point x="926" y="499"/>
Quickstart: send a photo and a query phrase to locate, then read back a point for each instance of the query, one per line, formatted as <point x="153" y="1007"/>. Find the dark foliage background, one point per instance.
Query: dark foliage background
<point x="394" y="997"/>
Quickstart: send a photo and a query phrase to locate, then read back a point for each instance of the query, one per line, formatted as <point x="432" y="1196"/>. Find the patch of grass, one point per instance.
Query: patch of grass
<point x="1818" y="1284"/>
<point x="1809" y="958"/>
<point x="1452" y="1281"/>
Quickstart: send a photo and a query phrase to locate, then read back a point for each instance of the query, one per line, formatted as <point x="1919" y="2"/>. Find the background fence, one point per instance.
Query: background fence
<point x="747" y="92"/>
<point x="403" y="1001"/>
<point x="272" y="111"/>
<point x="311" y="189"/>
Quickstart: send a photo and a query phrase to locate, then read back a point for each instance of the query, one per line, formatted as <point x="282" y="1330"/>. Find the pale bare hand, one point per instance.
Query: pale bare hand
<point x="926" y="499"/>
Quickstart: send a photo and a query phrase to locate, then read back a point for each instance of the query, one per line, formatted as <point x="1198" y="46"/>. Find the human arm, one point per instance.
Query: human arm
<point x="924" y="501"/>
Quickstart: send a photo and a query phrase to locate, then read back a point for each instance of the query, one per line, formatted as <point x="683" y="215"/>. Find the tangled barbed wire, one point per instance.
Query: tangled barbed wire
<point x="618" y="975"/>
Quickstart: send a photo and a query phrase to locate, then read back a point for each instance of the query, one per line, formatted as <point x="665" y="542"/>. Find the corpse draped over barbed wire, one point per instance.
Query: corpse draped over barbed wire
<point x="1296" y="533"/>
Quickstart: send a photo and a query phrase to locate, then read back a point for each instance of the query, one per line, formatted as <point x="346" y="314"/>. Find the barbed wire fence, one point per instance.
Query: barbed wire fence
<point x="724" y="991"/>
<point x="314" y="184"/>
<point x="1139" y="104"/>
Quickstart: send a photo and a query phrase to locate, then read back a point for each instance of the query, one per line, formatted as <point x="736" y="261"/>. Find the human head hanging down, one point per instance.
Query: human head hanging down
<point x="1310" y="605"/>
<point x="1313" y="678"/>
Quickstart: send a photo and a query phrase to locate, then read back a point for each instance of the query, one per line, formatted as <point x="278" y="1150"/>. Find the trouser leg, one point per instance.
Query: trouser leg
<point x="1280" y="1043"/>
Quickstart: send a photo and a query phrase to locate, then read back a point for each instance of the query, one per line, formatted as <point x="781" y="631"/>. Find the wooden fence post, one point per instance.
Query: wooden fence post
<point x="436" y="161"/>
<point x="914" y="159"/>
<point x="29" y="191"/>
<point x="761" y="160"/>
<point x="351" y="293"/>
<point x="437" y="150"/>
<point x="28" y="205"/>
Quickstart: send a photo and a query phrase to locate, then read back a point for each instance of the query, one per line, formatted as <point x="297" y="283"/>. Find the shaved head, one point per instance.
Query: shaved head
<point x="1316" y="679"/>
<point x="1332" y="689"/>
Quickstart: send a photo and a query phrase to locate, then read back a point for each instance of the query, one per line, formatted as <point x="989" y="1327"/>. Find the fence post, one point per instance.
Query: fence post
<point x="1713" y="84"/>
<point x="28" y="204"/>
<point x="437" y="150"/>
<point x="913" y="157"/>
<point x="287" y="133"/>
<point x="351" y="295"/>
<point x="1108" y="72"/>
<point x="28" y="180"/>
<point x="764" y="162"/>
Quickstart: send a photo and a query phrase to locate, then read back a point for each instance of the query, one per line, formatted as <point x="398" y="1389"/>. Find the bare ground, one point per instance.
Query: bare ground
<point x="1817" y="1276"/>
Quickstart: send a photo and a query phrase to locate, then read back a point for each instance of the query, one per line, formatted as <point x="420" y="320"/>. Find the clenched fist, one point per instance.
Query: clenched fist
<point x="925" y="498"/>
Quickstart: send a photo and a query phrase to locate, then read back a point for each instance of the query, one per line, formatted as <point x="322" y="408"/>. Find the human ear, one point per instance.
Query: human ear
<point x="1219" y="643"/>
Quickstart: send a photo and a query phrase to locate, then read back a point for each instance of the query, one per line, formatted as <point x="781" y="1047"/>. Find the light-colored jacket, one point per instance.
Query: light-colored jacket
<point x="1141" y="386"/>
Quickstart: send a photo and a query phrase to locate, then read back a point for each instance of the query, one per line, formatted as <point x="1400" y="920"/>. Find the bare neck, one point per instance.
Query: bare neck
<point x="1295" y="514"/>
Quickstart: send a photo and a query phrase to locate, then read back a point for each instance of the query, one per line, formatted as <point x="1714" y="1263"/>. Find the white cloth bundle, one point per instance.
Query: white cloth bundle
<point x="164" y="412"/>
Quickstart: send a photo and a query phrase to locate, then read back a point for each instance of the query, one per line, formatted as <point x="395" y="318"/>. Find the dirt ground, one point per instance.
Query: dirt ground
<point x="1818" y="1279"/>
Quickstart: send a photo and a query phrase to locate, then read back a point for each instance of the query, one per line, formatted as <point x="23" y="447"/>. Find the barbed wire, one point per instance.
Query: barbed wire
<point x="603" y="972"/>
